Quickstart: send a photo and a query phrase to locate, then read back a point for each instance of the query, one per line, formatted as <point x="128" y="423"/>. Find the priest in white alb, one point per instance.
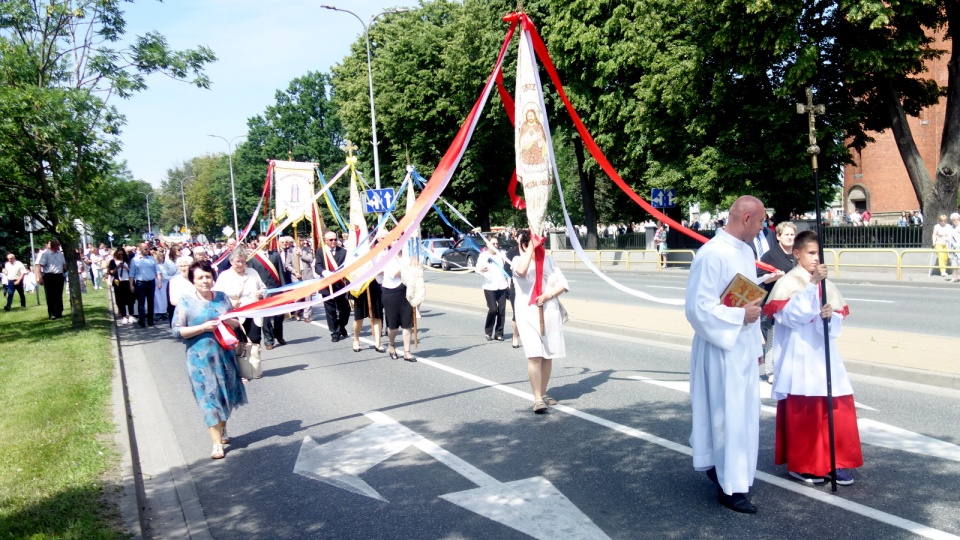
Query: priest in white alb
<point x="724" y="390"/>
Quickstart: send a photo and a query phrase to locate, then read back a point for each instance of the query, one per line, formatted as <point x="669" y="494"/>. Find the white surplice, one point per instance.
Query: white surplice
<point x="724" y="387"/>
<point x="800" y="364"/>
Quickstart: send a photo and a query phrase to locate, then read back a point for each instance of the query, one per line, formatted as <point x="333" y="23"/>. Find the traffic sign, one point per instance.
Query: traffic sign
<point x="379" y="200"/>
<point x="663" y="198"/>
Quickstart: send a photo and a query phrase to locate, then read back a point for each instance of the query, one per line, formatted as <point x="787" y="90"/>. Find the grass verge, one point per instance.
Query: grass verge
<point x="56" y="429"/>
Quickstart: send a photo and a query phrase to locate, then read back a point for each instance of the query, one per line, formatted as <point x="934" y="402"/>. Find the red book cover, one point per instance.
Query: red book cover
<point x="741" y="291"/>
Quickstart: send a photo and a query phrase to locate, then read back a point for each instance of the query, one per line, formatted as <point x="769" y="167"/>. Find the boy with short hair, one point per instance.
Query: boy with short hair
<point x="802" y="440"/>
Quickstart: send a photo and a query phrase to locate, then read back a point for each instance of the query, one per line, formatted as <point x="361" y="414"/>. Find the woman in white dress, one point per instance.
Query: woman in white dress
<point x="540" y="350"/>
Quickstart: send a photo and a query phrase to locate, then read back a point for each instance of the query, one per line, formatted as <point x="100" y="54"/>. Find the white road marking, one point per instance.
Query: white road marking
<point x="872" y="513"/>
<point x="871" y="432"/>
<point x="532" y="506"/>
<point x="875" y="301"/>
<point x="665" y="287"/>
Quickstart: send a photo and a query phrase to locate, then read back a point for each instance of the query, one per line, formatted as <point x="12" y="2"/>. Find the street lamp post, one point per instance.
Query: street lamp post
<point x="373" y="114"/>
<point x="233" y="193"/>
<point x="183" y="199"/>
<point x="146" y="195"/>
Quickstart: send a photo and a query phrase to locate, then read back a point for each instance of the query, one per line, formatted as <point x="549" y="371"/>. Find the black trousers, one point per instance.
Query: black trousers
<point x="338" y="314"/>
<point x="496" y="310"/>
<point x="124" y="298"/>
<point x="272" y="329"/>
<point x="145" y="291"/>
<point x="252" y="331"/>
<point x="53" y="289"/>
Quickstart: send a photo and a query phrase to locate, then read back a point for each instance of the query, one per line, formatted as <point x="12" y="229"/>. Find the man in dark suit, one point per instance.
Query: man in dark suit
<point x="330" y="257"/>
<point x="267" y="263"/>
<point x="225" y="263"/>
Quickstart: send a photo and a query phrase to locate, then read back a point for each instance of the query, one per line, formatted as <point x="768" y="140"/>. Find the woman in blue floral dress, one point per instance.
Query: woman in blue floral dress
<point x="213" y="370"/>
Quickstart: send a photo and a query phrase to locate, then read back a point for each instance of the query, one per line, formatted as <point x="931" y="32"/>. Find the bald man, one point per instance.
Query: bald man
<point x="724" y="391"/>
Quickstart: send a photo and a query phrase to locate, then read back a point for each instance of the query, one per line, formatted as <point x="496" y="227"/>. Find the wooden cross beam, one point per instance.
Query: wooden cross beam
<point x="811" y="111"/>
<point x="350" y="147"/>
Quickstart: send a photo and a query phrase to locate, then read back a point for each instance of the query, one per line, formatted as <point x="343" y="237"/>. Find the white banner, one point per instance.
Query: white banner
<point x="531" y="138"/>
<point x="293" y="189"/>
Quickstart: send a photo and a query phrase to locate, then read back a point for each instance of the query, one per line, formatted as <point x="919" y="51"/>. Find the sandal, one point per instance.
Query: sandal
<point x="394" y="355"/>
<point x="539" y="407"/>
<point x="549" y="400"/>
<point x="410" y="358"/>
<point x="224" y="438"/>
<point x="217" y="452"/>
<point x="357" y="348"/>
<point x="380" y="349"/>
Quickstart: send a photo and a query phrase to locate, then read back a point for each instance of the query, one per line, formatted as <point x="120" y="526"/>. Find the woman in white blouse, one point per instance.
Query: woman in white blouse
<point x="942" y="232"/>
<point x="398" y="313"/>
<point x="243" y="286"/>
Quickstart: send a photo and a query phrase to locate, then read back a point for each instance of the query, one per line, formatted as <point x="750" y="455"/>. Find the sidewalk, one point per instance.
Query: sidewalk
<point x="903" y="356"/>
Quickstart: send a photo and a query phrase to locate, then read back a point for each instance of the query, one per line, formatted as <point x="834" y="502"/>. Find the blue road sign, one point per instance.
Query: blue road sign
<point x="663" y="198"/>
<point x="379" y="200"/>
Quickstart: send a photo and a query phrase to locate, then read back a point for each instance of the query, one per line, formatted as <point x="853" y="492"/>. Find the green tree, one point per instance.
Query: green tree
<point x="303" y="125"/>
<point x="429" y="66"/>
<point x="60" y="63"/>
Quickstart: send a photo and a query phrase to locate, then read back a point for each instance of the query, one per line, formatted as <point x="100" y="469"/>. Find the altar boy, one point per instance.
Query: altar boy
<point x="803" y="441"/>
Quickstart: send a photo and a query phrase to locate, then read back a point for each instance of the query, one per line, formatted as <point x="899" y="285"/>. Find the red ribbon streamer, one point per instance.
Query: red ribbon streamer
<point x="438" y="181"/>
<point x="591" y="145"/>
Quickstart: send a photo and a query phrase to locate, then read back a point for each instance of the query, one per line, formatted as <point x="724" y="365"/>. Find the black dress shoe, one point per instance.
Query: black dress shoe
<point x="499" y="338"/>
<point x="281" y="341"/>
<point x="343" y="332"/>
<point x="335" y="337"/>
<point x="489" y="338"/>
<point x="738" y="502"/>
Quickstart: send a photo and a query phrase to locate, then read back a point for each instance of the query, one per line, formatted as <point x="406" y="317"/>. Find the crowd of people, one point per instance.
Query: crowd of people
<point x="185" y="286"/>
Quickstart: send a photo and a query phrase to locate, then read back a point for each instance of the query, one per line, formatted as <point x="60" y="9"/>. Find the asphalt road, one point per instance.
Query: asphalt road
<point x="888" y="306"/>
<point x="616" y="453"/>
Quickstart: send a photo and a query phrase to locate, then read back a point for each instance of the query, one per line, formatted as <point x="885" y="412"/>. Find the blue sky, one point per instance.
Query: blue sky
<point x="261" y="46"/>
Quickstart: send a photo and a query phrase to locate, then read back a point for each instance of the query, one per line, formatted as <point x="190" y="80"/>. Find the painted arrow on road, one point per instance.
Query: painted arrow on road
<point x="532" y="506"/>
<point x="871" y="432"/>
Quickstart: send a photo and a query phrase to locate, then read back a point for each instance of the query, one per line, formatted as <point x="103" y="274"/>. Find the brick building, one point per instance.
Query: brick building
<point x="878" y="179"/>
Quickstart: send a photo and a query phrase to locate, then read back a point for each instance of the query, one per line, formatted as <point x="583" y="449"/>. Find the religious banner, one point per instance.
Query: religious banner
<point x="532" y="140"/>
<point x="293" y="181"/>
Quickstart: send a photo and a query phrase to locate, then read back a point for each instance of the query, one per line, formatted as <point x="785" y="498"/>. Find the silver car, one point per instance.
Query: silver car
<point x="433" y="248"/>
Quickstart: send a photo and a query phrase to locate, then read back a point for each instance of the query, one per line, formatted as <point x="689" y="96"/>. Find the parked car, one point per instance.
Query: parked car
<point x="466" y="252"/>
<point x="432" y="249"/>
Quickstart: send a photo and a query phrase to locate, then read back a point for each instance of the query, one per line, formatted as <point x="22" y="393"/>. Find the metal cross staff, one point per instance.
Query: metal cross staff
<point x="811" y="111"/>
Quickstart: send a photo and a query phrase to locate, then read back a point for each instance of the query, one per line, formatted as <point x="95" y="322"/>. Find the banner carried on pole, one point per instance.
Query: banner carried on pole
<point x="293" y="181"/>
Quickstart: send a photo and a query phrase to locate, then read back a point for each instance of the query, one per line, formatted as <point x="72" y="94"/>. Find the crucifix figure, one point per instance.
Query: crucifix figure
<point x="350" y="147"/>
<point x="811" y="111"/>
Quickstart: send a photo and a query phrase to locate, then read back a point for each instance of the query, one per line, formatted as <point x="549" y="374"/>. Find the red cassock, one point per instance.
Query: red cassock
<point x="803" y="437"/>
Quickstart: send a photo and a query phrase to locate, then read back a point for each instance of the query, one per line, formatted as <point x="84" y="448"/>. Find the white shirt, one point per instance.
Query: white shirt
<point x="490" y="266"/>
<point x="13" y="270"/>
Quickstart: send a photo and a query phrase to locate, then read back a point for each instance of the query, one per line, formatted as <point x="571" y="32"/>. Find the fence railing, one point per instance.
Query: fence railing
<point x="834" y="237"/>
<point x="872" y="236"/>
<point x="839" y="260"/>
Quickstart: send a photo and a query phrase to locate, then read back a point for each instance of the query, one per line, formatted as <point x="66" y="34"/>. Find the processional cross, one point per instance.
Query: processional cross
<point x="811" y="111"/>
<point x="350" y="147"/>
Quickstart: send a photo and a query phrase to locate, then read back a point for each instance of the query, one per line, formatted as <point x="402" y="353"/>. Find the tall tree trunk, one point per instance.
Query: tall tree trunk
<point x="940" y="196"/>
<point x="69" y="245"/>
<point x="588" y="185"/>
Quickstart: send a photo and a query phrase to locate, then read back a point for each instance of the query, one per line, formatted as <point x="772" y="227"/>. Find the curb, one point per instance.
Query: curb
<point x="131" y="502"/>
<point x="919" y="376"/>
